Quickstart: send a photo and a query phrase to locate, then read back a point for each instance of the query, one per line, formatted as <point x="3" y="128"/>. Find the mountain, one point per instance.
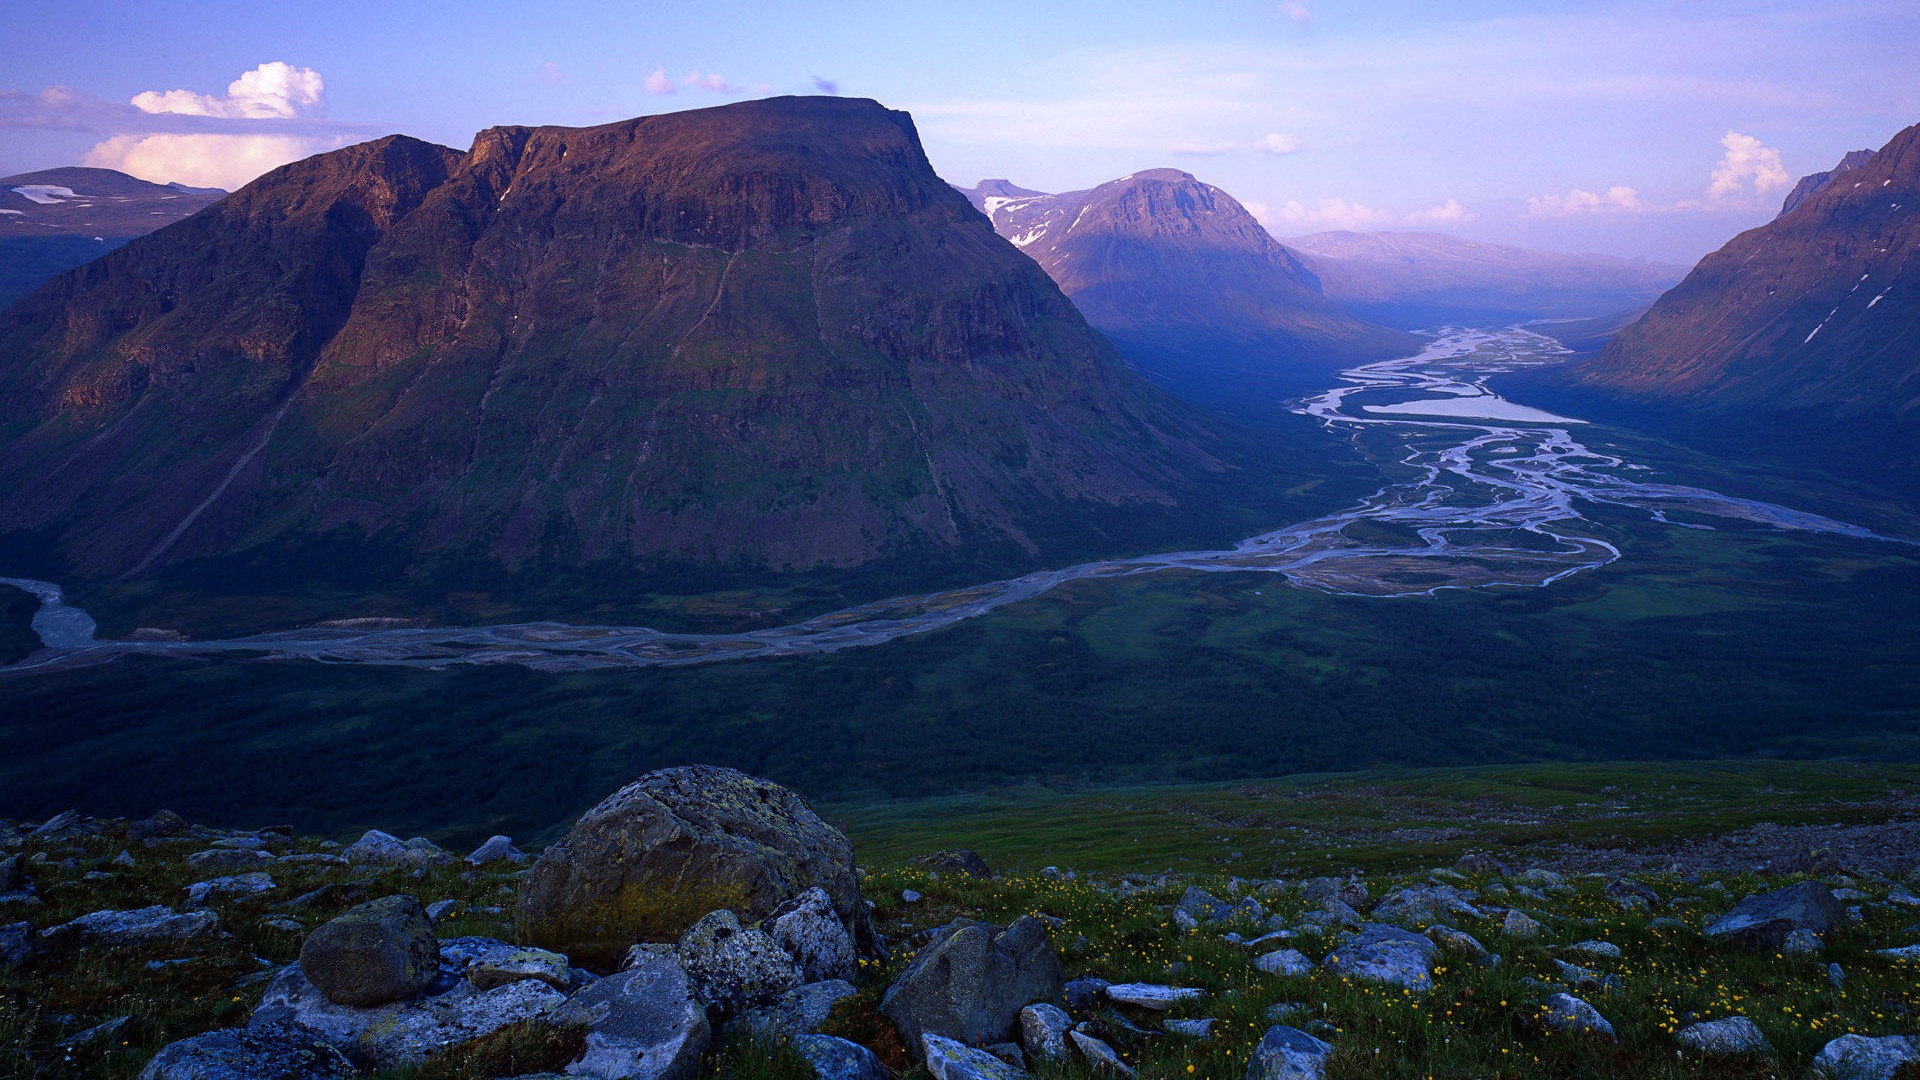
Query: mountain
<point x="1416" y="279"/>
<point x="1181" y="276"/>
<point x="59" y="218"/>
<point x="761" y="337"/>
<point x="1813" y="182"/>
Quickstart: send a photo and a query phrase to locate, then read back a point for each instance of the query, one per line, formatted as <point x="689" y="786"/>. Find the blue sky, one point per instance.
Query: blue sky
<point x="1635" y="128"/>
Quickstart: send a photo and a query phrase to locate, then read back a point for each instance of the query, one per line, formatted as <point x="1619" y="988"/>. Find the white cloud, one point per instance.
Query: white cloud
<point x="710" y="81"/>
<point x="223" y="161"/>
<point x="272" y="91"/>
<point x="1617" y="199"/>
<point x="1330" y="214"/>
<point x="1447" y="213"/>
<point x="1280" y="144"/>
<point x="1201" y="149"/>
<point x="1748" y="169"/>
<point x="1297" y="11"/>
<point x="660" y="82"/>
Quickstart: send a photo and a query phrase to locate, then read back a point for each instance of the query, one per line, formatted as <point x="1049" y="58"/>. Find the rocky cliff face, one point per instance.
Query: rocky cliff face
<point x="1813" y="182"/>
<point x="759" y="335"/>
<point x="1817" y="312"/>
<point x="1161" y="259"/>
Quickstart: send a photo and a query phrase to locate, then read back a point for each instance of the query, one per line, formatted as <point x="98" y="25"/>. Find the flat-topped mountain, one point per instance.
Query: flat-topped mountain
<point x="1420" y="279"/>
<point x="761" y="335"/>
<point x="1176" y="269"/>
<point x="59" y="218"/>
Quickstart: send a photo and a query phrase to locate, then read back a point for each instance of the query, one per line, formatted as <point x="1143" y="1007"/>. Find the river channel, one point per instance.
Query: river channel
<point x="1489" y="494"/>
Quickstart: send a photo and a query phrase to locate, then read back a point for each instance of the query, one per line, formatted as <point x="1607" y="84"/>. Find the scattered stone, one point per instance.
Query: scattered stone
<point x="1857" y="1057"/>
<point x="161" y="825"/>
<point x="1603" y="949"/>
<point x="1477" y="863"/>
<point x="948" y="1059"/>
<point x="1100" y="1054"/>
<point x="139" y="926"/>
<point x="1762" y="922"/>
<point x="1731" y="1036"/>
<point x="310" y="858"/>
<point x="511" y="964"/>
<point x="1903" y="896"/>
<point x="59" y="826"/>
<point x="1519" y="924"/>
<point x="496" y="849"/>
<point x="799" y="1011"/>
<point x="1349" y="891"/>
<point x="1287" y="1010"/>
<point x="440" y="909"/>
<point x="1904" y="952"/>
<point x="733" y="967"/>
<point x="953" y="861"/>
<point x="97" y="1033"/>
<point x="1084" y="993"/>
<point x="16" y="942"/>
<point x="1287" y="1053"/>
<point x="1201" y="906"/>
<point x="285" y="923"/>
<point x="249" y="1054"/>
<point x="240" y="885"/>
<point x="972" y="981"/>
<point x="1285" y="962"/>
<point x="1801" y="943"/>
<point x="374" y="953"/>
<point x="376" y="848"/>
<point x="402" y="1032"/>
<point x="124" y="859"/>
<point x="1836" y="975"/>
<point x="1191" y="1029"/>
<point x="1385" y="954"/>
<point x="1564" y="1012"/>
<point x="1424" y="904"/>
<point x="811" y="932"/>
<point x="643" y="1023"/>
<point x="837" y="1059"/>
<point x="1043" y="1032"/>
<point x="13" y="873"/>
<point x="1462" y="944"/>
<point x="1332" y="913"/>
<point x="1152" y="995"/>
<point x="1667" y="924"/>
<point x="659" y="854"/>
<point x="229" y="859"/>
<point x="908" y="896"/>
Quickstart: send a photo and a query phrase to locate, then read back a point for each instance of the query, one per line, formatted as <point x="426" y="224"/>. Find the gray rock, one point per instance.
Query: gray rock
<point x="1287" y="1053"/>
<point x="1102" y="1056"/>
<point x="1281" y="1011"/>
<point x="1802" y="943"/>
<point x="1460" y="943"/>
<point x="16" y="942"/>
<point x="164" y="824"/>
<point x="659" y="854"/>
<point x="1478" y="863"/>
<point x="1902" y="896"/>
<point x="1519" y="924"/>
<point x="496" y="849"/>
<point x="1602" y="949"/>
<point x="908" y="896"/>
<point x="644" y="1023"/>
<point x="1084" y="993"/>
<point x="440" y="909"/>
<point x="811" y="932"/>
<point x="311" y="858"/>
<point x="734" y="967"/>
<point x="1385" y="954"/>
<point x="139" y="926"/>
<point x="971" y="982"/>
<point x="97" y="1033"/>
<point x="61" y="825"/>
<point x="1153" y="995"/>
<point x="1007" y="1052"/>
<point x="239" y="885"/>
<point x="249" y="1054"/>
<point x="374" y="953"/>
<point x="512" y="963"/>
<point x="647" y="951"/>
<point x="1730" y="1036"/>
<point x="1424" y="904"/>
<point x="1043" y="1032"/>
<point x="1904" y="952"/>
<point x="402" y="1032"/>
<point x="1857" y="1057"/>
<point x="376" y="848"/>
<point x="1565" y="1012"/>
<point x="1762" y="922"/>
<point x="1332" y="913"/>
<point x="837" y="1059"/>
<point x="797" y="1012"/>
<point x="1285" y="962"/>
<point x="1349" y="891"/>
<point x="124" y="859"/>
<point x="953" y="861"/>
<point x="1190" y="1029"/>
<point x="948" y="1059"/>
<point x="13" y="873"/>
<point x="1582" y="977"/>
<point x="230" y="859"/>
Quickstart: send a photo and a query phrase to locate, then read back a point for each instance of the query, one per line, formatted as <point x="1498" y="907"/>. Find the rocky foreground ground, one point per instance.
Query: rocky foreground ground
<point x="700" y="922"/>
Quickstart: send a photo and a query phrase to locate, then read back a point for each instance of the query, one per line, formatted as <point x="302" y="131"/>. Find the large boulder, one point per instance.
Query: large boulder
<point x="1424" y="905"/>
<point x="1385" y="954"/>
<point x="1762" y="921"/>
<point x="837" y="1059"/>
<point x="380" y="951"/>
<point x="656" y="856"/>
<point x="971" y="982"/>
<point x="732" y="966"/>
<point x="642" y="1023"/>
<point x="800" y="1011"/>
<point x="1857" y="1057"/>
<point x="249" y="1054"/>
<point x="811" y="932"/>
<point x="139" y="926"/>
<point x="950" y="1059"/>
<point x="1286" y="1053"/>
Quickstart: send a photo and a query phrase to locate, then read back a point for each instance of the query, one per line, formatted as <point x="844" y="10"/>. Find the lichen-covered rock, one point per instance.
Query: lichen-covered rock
<point x="249" y="1054"/>
<point x="1462" y="944"/>
<point x="139" y="926"/>
<point x="239" y="885"/>
<point x="496" y="849"/>
<point x="487" y="963"/>
<point x="380" y="951"/>
<point x="1153" y="995"/>
<point x="1043" y="1032"/>
<point x="1727" y="1037"/>
<point x="402" y="1032"/>
<point x="953" y="861"/>
<point x="811" y="932"/>
<point x="1424" y="904"/>
<point x="1284" y="962"/>
<point x="1103" y="1057"/>
<point x="1519" y="924"/>
<point x="1564" y="1012"/>
<point x="1201" y="906"/>
<point x="659" y="854"/>
<point x="229" y="858"/>
<point x="1762" y="921"/>
<point x="1385" y="954"/>
<point x="948" y="1059"/>
<point x="837" y="1059"/>
<point x="375" y="848"/>
<point x="1287" y="1053"/>
<point x="799" y="1011"/>
<point x="1857" y="1057"/>
<point x="643" y="1023"/>
<point x="733" y="967"/>
<point x="971" y="982"/>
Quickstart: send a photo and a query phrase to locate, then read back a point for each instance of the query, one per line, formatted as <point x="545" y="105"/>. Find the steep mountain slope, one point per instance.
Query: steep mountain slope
<point x="763" y="335"/>
<point x="58" y="218"/>
<point x="1813" y="182"/>
<point x="1818" y="310"/>
<point x="1424" y="279"/>
<point x="1166" y="264"/>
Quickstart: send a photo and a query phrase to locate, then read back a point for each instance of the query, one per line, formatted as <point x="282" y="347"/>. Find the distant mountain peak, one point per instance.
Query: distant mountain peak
<point x="1813" y="182"/>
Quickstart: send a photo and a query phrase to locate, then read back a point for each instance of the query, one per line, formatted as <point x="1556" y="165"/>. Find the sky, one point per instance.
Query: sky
<point x="1642" y="129"/>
